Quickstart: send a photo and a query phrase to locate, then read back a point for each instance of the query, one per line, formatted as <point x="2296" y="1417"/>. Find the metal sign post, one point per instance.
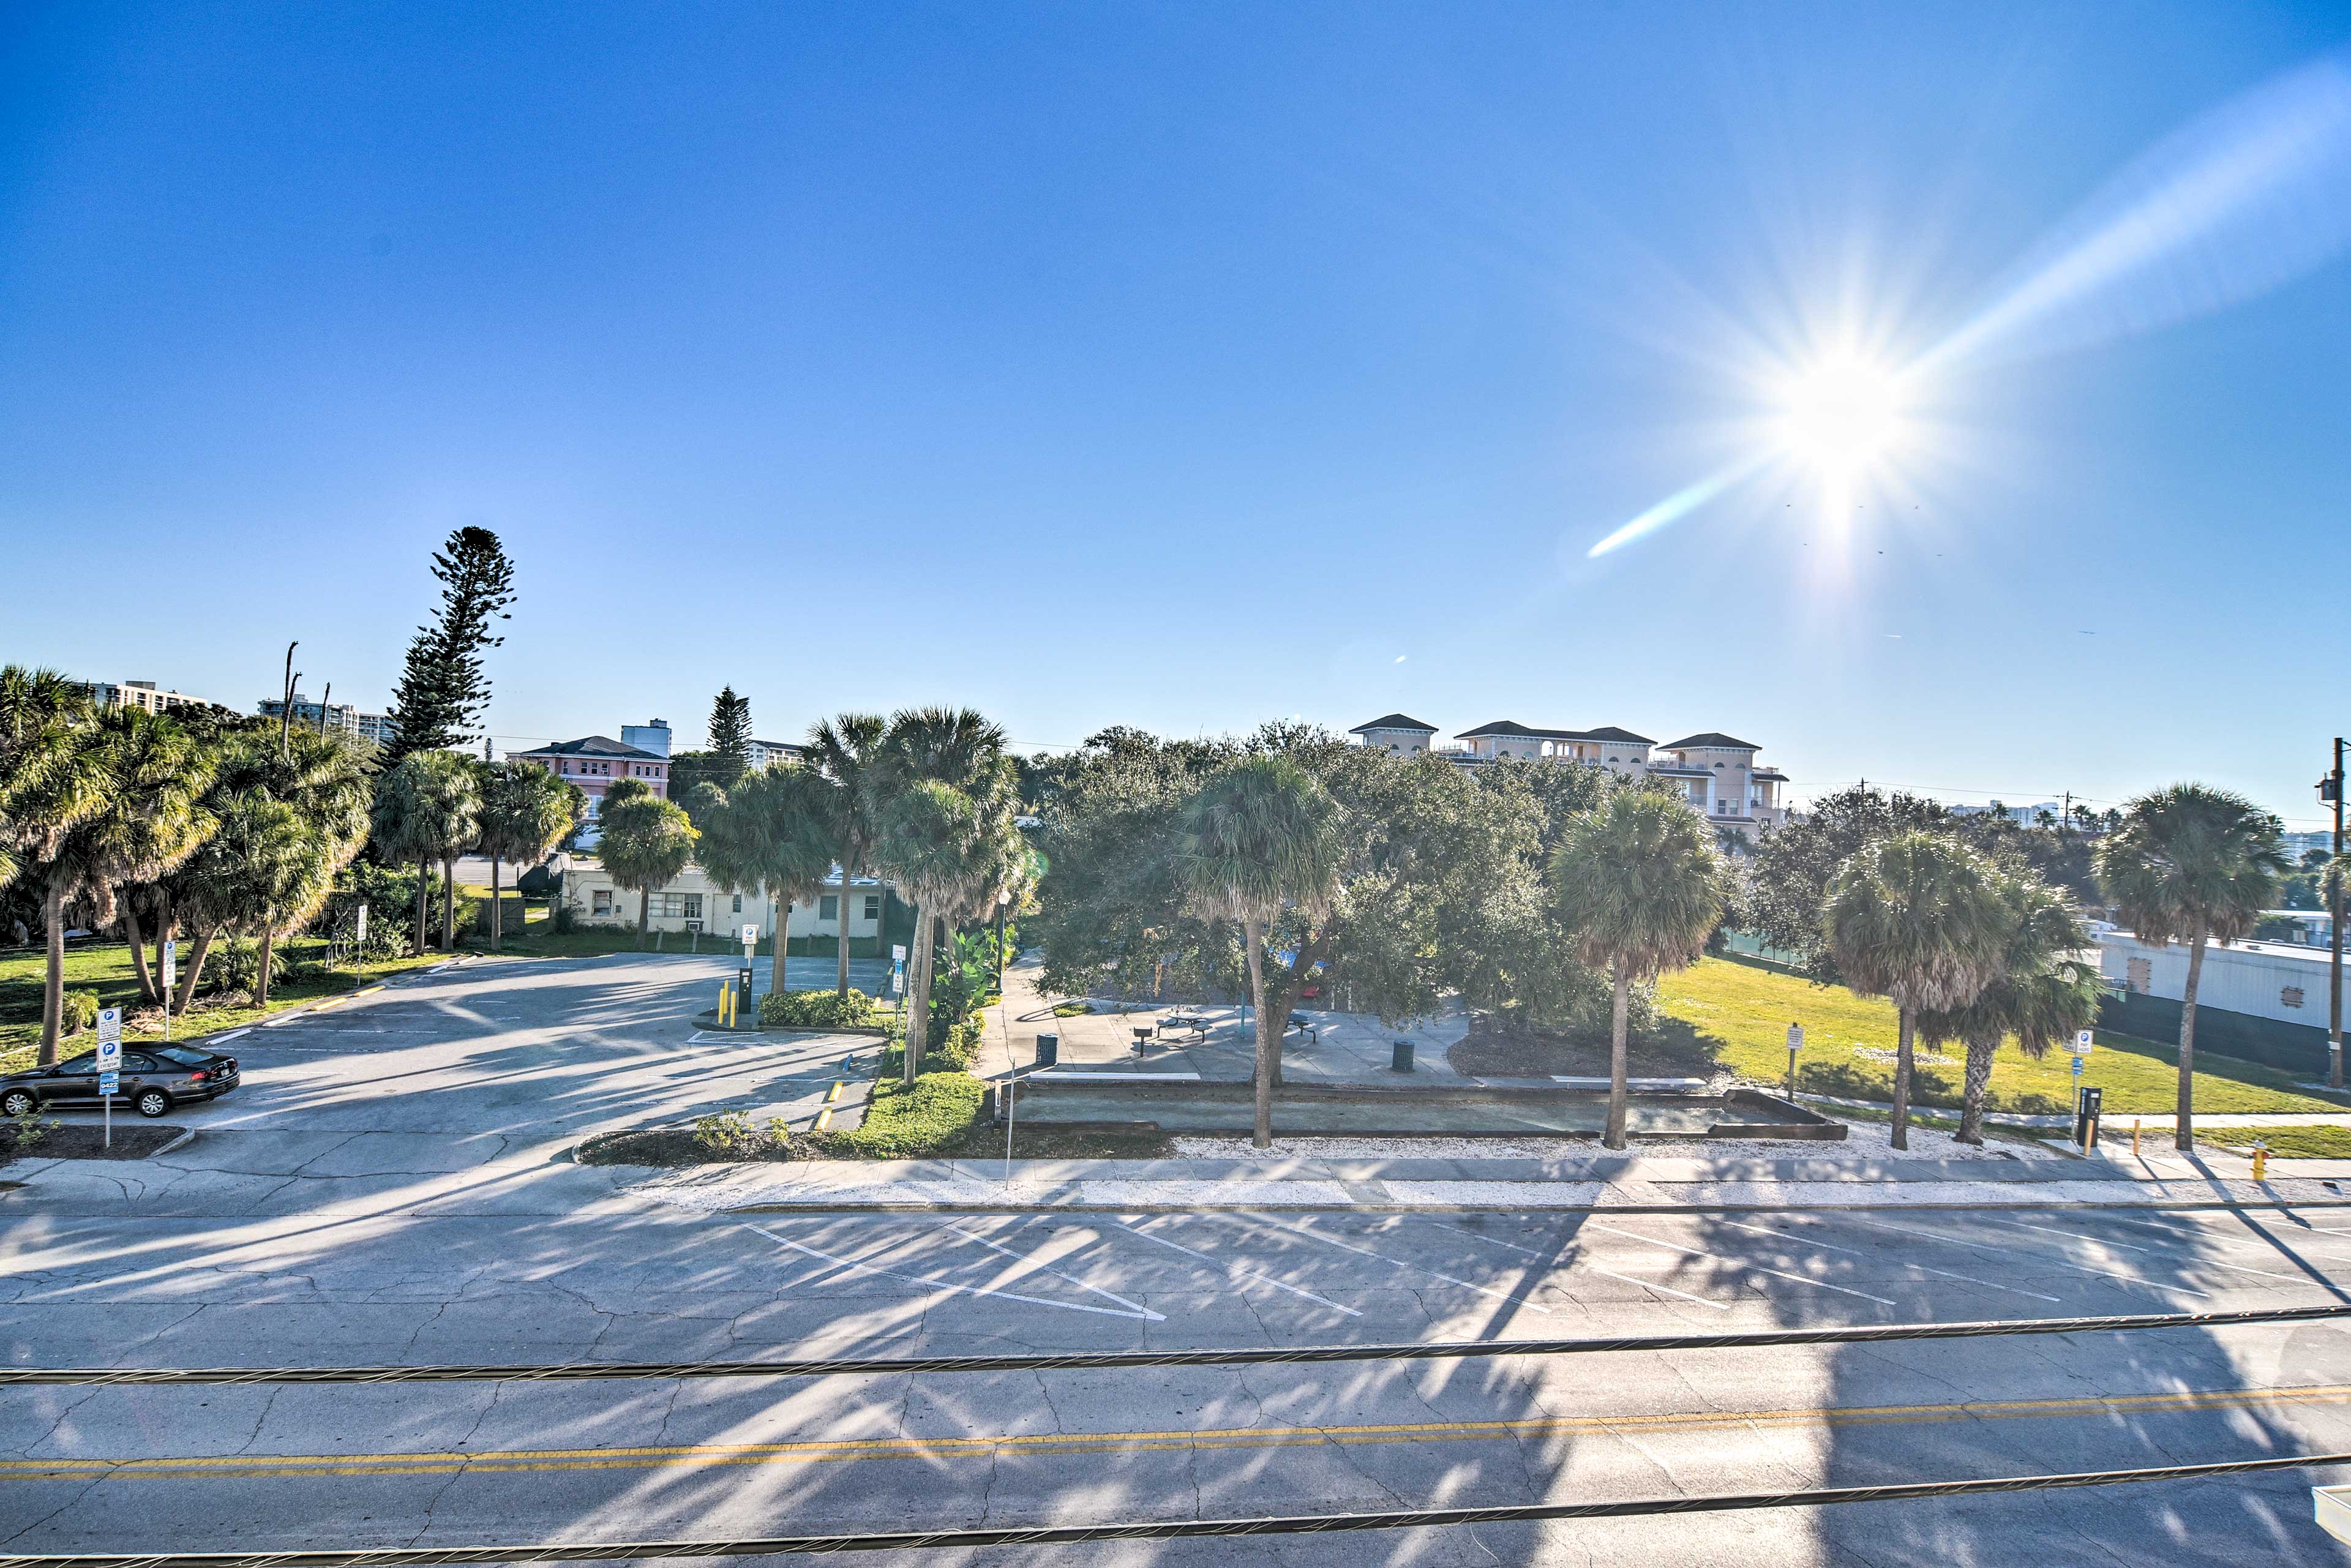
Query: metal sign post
<point x="109" y="1065"/>
<point x="1795" y="1044"/>
<point x="359" y="952"/>
<point x="171" y="978"/>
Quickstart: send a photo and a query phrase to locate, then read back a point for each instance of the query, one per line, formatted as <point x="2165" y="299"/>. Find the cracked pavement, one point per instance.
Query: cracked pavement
<point x="389" y="1189"/>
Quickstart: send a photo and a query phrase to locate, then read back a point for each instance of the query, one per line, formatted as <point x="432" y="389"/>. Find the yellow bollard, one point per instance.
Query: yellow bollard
<point x="2134" y="1137"/>
<point x="833" y="1094"/>
<point x="724" y="988"/>
<point x="823" y="1119"/>
<point x="2261" y="1161"/>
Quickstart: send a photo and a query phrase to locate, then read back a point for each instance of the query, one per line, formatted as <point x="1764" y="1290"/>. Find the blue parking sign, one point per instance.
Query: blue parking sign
<point x="109" y="1083"/>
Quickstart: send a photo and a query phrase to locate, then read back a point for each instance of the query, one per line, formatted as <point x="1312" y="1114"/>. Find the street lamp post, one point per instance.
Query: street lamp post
<point x="2330" y="789"/>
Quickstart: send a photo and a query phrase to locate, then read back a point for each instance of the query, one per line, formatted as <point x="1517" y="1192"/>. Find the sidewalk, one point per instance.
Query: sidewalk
<point x="1628" y="1182"/>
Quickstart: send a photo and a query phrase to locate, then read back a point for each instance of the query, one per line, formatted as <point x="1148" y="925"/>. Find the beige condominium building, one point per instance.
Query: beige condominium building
<point x="1718" y="773"/>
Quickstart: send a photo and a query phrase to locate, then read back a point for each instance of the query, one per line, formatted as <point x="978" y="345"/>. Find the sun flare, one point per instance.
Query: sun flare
<point x="1842" y="417"/>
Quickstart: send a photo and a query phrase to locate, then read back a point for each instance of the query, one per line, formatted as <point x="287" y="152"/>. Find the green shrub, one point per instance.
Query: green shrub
<point x="729" y="1136"/>
<point x="26" y="1132"/>
<point x="79" y="1012"/>
<point x="902" y="1123"/>
<point x="235" y="965"/>
<point x="817" y="1009"/>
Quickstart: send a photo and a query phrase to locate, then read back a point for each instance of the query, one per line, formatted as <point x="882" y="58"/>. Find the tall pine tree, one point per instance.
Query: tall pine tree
<point x="730" y="734"/>
<point x="443" y="689"/>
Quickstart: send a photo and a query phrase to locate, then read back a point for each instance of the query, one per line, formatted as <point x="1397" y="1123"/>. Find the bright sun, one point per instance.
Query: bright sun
<point x="1841" y="416"/>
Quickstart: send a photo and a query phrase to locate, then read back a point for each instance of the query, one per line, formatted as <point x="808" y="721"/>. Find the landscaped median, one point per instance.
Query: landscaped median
<point x="2290" y="1143"/>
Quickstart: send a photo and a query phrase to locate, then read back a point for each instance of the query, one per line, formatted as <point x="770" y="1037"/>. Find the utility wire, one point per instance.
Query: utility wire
<point x="1447" y="1350"/>
<point x="1175" y="1529"/>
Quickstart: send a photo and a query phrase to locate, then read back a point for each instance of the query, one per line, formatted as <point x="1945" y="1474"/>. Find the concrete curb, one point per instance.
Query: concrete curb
<point x="918" y="1207"/>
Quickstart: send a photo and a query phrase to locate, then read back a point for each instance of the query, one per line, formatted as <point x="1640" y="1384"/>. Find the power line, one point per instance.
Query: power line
<point x="1178" y="1528"/>
<point x="1048" y="1361"/>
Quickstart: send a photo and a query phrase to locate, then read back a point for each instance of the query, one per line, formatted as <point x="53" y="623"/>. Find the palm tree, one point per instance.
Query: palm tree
<point x="146" y="821"/>
<point x="842" y="748"/>
<point x="771" y="833"/>
<point x="646" y="842"/>
<point x="2195" y="864"/>
<point x="1915" y="918"/>
<point x="943" y="799"/>
<point x="257" y="861"/>
<point x="1639" y="886"/>
<point x="526" y="812"/>
<point x="2045" y="991"/>
<point x="1259" y="836"/>
<point x="50" y="776"/>
<point x="426" y="810"/>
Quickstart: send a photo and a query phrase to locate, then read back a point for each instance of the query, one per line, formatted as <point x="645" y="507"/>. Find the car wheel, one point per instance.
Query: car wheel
<point x="18" y="1102"/>
<point x="152" y="1103"/>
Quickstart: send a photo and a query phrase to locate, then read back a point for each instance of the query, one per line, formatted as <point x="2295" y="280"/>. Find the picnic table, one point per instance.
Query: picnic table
<point x="1192" y="1021"/>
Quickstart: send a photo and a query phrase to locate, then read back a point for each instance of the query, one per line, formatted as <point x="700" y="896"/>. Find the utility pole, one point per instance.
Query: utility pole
<point x="2331" y="788"/>
<point x="286" y="703"/>
<point x="324" y="700"/>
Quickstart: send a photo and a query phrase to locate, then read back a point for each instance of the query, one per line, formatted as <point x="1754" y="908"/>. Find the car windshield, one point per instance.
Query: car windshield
<point x="183" y="1055"/>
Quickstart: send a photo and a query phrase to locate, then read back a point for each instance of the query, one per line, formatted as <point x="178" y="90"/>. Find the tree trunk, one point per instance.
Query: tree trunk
<point x="2184" y="1129"/>
<point x="918" y="995"/>
<point x="644" y="912"/>
<point x="448" y="905"/>
<point x="1263" y="1136"/>
<point x="423" y="885"/>
<point x="1619" y="1015"/>
<point x="196" y="954"/>
<point x="781" y="907"/>
<point x="497" y="916"/>
<point x="146" y="982"/>
<point x="53" y="980"/>
<point x="1902" y="1051"/>
<point x="1978" y="1078"/>
<point x="841" y="943"/>
<point x="268" y="942"/>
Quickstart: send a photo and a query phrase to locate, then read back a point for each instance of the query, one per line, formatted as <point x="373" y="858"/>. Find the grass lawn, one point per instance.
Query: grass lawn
<point x="2285" y="1142"/>
<point x="1738" y="1015"/>
<point x="105" y="968"/>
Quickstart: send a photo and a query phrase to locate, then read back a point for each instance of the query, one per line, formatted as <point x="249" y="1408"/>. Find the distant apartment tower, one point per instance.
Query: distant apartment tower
<point x="145" y="696"/>
<point x="652" y="737"/>
<point x="344" y="717"/>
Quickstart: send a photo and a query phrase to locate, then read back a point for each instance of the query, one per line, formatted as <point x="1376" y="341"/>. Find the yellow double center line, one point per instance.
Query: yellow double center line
<point x="940" y="1450"/>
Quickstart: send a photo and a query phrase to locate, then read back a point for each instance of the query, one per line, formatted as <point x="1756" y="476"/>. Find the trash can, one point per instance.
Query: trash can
<point x="1048" y="1050"/>
<point x="1401" y="1061"/>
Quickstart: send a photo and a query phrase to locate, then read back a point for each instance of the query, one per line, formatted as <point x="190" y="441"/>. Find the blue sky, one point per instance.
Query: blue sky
<point x="1175" y="366"/>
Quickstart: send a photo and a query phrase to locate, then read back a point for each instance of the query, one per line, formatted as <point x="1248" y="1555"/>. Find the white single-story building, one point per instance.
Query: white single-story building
<point x="692" y="902"/>
<point x="2264" y="1000"/>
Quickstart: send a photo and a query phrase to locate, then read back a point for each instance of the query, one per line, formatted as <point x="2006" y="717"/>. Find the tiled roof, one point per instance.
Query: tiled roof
<point x="1503" y="727"/>
<point x="1712" y="740"/>
<point x="593" y="745"/>
<point x="1621" y="737"/>
<point x="1769" y="773"/>
<point x="1394" y="721"/>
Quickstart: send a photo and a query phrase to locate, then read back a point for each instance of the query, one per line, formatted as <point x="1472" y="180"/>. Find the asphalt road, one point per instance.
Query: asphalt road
<point x="449" y="1229"/>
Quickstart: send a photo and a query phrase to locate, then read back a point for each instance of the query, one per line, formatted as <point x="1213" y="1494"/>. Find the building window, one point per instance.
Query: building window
<point x="2139" y="975"/>
<point x="601" y="901"/>
<point x="828" y="907"/>
<point x="873" y="906"/>
<point x="678" y="906"/>
<point x="2291" y="997"/>
<point x="738" y="909"/>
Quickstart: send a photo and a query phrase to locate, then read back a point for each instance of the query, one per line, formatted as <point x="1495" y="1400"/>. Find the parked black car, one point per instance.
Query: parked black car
<point x="154" y="1079"/>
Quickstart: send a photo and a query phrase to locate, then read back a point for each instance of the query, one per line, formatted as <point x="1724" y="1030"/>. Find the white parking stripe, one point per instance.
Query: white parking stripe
<point x="1920" y="1267"/>
<point x="944" y="1286"/>
<point x="1537" y="1252"/>
<point x="1757" y="1268"/>
<point x="1303" y="1229"/>
<point x="1080" y="1284"/>
<point x="2207" y="1233"/>
<point x="2053" y="1263"/>
<point x="2133" y="1247"/>
<point x="1652" y="1285"/>
<point x="1135" y="1227"/>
